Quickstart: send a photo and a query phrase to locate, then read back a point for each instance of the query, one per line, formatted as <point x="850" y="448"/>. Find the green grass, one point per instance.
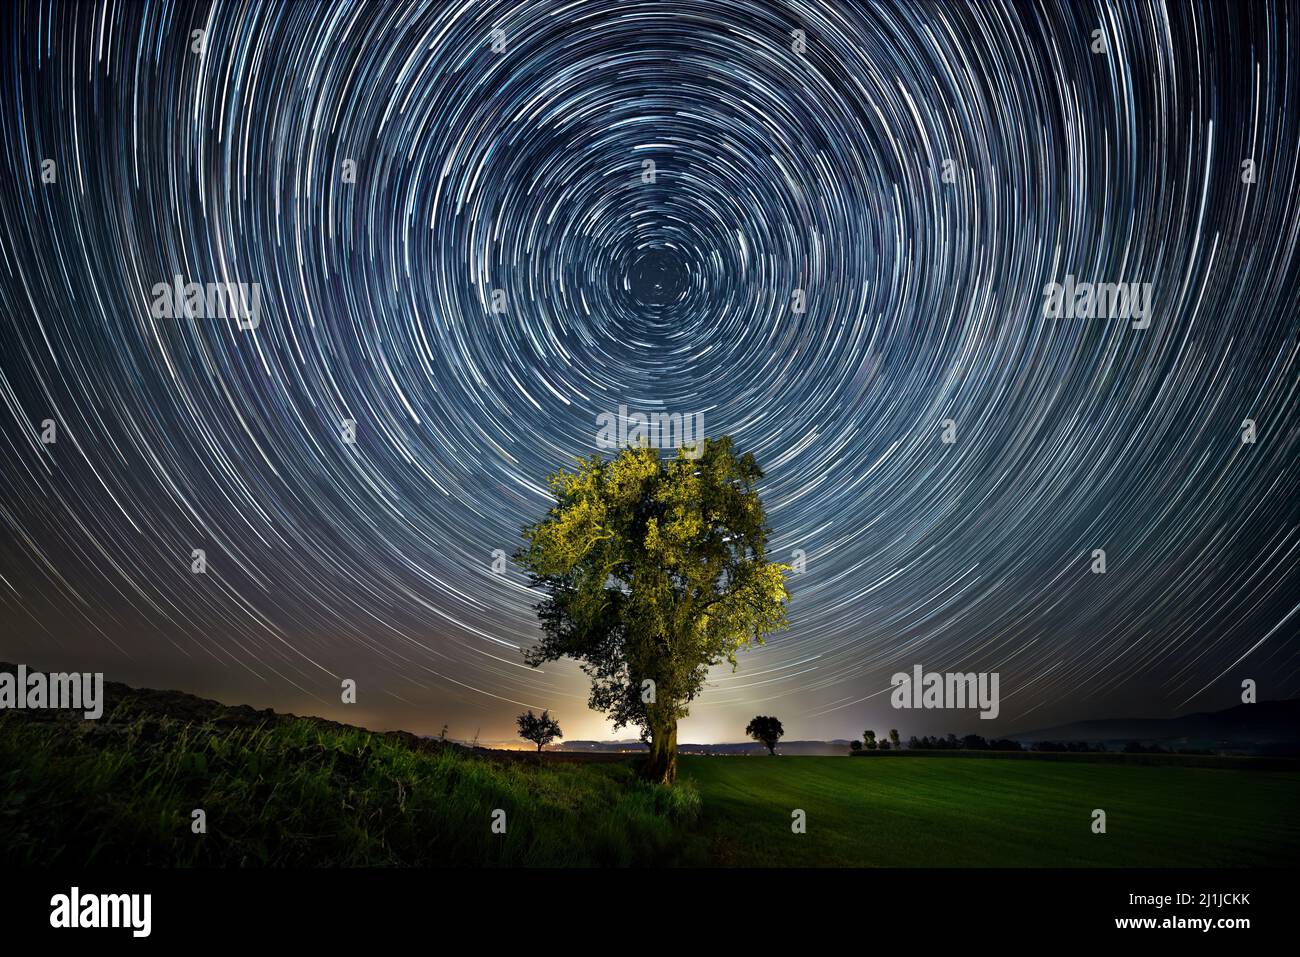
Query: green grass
<point x="299" y="794"/>
<point x="302" y="793"/>
<point x="957" y="812"/>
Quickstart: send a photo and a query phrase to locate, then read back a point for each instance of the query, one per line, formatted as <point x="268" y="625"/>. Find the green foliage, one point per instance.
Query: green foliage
<point x="653" y="569"/>
<point x="298" y="794"/>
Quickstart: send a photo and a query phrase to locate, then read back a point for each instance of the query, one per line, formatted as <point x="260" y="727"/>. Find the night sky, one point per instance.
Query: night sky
<point x="918" y="172"/>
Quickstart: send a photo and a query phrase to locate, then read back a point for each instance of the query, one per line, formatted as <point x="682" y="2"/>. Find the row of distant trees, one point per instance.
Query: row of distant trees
<point x="767" y="730"/>
<point x="870" y="743"/>
<point x="970" y="742"/>
<point x="542" y="729"/>
<point x="975" y="742"/>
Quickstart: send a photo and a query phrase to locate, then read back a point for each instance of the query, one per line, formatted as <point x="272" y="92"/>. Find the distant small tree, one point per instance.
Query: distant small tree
<point x="541" y="729"/>
<point x="855" y="745"/>
<point x="893" y="738"/>
<point x="766" y="730"/>
<point x="884" y="745"/>
<point x="869" y="739"/>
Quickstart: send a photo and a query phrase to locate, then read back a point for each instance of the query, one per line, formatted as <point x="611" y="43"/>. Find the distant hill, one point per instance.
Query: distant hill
<point x="835" y="747"/>
<point x="1268" y="727"/>
<point x="125" y="705"/>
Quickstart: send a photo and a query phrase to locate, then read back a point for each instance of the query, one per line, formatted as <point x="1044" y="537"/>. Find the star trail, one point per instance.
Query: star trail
<point x="827" y="228"/>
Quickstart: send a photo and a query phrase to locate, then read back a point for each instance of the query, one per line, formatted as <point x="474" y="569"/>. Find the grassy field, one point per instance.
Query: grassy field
<point x="296" y="793"/>
<point x="956" y="812"/>
<point x="299" y="792"/>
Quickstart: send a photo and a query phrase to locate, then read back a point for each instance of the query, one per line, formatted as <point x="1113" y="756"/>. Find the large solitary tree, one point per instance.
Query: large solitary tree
<point x="654" y="569"/>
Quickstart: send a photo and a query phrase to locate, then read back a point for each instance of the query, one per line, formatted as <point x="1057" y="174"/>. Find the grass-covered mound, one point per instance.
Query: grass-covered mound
<point x="287" y="792"/>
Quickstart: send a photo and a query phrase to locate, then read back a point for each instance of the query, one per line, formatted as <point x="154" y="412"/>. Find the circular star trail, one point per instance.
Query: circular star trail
<point x="476" y="227"/>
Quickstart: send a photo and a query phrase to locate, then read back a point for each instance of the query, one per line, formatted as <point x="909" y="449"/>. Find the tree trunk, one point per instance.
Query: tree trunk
<point x="661" y="764"/>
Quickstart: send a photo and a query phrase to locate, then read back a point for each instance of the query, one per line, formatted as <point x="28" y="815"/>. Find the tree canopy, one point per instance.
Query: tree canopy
<point x="541" y="729"/>
<point x="766" y="730"/>
<point x="653" y="570"/>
